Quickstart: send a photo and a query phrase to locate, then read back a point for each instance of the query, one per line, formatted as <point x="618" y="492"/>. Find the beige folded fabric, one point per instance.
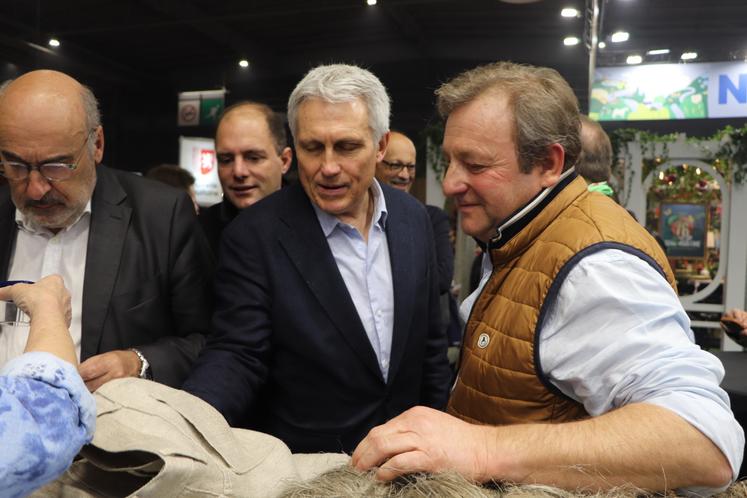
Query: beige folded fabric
<point x="155" y="441"/>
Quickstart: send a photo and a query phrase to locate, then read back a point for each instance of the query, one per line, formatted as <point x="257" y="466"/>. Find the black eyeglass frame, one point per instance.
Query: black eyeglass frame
<point x="71" y="167"/>
<point x="397" y="167"/>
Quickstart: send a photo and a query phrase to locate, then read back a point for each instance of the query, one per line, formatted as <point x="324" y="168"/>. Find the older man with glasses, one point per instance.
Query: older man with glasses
<point x="129" y="250"/>
<point x="398" y="169"/>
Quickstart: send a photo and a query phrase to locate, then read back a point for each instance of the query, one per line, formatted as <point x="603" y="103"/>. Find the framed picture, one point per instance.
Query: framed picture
<point x="684" y="228"/>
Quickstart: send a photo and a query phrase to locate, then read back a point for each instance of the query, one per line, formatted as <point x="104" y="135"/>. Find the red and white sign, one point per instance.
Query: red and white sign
<point x="197" y="155"/>
<point x="207" y="161"/>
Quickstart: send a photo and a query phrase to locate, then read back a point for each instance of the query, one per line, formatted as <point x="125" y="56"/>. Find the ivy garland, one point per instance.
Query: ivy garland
<point x="732" y="151"/>
<point x="730" y="159"/>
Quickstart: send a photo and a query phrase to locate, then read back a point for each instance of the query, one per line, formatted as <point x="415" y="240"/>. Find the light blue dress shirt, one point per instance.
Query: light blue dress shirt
<point x="617" y="334"/>
<point x="367" y="272"/>
<point x="46" y="416"/>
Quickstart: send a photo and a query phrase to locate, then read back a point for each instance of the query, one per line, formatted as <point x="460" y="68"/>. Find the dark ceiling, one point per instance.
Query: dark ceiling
<point x="138" y="54"/>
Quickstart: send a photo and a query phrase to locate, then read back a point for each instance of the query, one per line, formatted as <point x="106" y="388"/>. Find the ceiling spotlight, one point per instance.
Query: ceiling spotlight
<point x="658" y="51"/>
<point x="371" y="2"/>
<point x="244" y="63"/>
<point x="569" y="12"/>
<point x="569" y="41"/>
<point x="54" y="42"/>
<point x="688" y="56"/>
<point x="619" y="36"/>
<point x="602" y="44"/>
<point x="634" y="59"/>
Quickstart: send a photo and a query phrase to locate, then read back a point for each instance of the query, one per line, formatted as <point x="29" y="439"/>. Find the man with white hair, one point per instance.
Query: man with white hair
<point x="327" y="316"/>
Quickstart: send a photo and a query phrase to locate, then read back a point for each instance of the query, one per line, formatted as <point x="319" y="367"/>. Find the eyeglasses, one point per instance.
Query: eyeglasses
<point x="52" y="172"/>
<point x="397" y="167"/>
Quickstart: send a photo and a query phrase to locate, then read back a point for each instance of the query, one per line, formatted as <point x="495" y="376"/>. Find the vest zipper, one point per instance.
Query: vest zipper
<point x="472" y="310"/>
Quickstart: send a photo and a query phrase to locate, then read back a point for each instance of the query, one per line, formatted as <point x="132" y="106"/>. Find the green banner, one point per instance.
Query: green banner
<point x="200" y="108"/>
<point x="210" y="109"/>
<point x="669" y="91"/>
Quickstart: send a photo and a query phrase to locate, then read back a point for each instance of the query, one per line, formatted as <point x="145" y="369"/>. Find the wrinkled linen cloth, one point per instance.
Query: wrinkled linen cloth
<point x="155" y="441"/>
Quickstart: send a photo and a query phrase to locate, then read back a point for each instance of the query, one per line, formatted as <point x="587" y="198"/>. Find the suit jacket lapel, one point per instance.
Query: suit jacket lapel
<point x="8" y="229"/>
<point x="402" y="255"/>
<point x="307" y="248"/>
<point x="110" y="218"/>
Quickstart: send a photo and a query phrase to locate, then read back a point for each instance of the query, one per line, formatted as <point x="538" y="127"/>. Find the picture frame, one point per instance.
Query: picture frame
<point x="684" y="229"/>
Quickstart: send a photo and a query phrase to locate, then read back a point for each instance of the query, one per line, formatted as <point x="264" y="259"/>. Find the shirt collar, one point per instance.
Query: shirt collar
<point x="25" y="224"/>
<point x="524" y="215"/>
<point x="329" y="222"/>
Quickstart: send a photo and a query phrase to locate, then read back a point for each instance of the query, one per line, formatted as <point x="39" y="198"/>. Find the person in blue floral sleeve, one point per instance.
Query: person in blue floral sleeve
<point x="46" y="412"/>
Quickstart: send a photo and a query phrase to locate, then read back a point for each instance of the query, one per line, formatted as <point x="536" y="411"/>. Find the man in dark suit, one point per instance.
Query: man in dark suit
<point x="252" y="152"/>
<point x="128" y="249"/>
<point x="327" y="317"/>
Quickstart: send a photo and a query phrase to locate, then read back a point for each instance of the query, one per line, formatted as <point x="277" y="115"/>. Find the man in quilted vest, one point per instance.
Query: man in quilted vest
<point x="578" y="366"/>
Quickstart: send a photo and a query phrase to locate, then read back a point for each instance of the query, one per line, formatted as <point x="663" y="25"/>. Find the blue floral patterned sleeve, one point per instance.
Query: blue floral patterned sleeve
<point x="46" y="415"/>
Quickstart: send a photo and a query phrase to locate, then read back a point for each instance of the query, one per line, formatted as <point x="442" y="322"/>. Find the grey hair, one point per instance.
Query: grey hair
<point x="545" y="109"/>
<point x="90" y="107"/>
<point x="336" y="83"/>
<point x="93" y="115"/>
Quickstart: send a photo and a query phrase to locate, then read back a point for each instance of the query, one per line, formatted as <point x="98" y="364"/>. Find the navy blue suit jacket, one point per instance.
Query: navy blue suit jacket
<point x="288" y="354"/>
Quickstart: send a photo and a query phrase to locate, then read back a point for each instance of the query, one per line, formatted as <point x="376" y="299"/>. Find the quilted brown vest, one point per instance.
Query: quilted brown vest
<point x="500" y="381"/>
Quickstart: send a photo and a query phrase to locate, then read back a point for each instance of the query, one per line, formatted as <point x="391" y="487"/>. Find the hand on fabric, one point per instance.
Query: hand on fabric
<point x="100" y="369"/>
<point x="47" y="296"/>
<point x="424" y="440"/>
<point x="573" y="455"/>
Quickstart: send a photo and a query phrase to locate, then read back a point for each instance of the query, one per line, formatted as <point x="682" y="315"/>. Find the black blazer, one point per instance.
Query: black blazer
<point x="147" y="271"/>
<point x="444" y="249"/>
<point x="288" y="354"/>
<point x="214" y="219"/>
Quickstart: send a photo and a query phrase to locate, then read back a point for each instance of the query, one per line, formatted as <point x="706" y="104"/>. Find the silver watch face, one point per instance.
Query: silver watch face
<point x="144" y="365"/>
<point x="145" y="369"/>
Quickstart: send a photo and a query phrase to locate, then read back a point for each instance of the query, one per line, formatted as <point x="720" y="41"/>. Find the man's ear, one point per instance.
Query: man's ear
<point x="552" y="167"/>
<point x="286" y="156"/>
<point x="98" y="151"/>
<point x="383" y="143"/>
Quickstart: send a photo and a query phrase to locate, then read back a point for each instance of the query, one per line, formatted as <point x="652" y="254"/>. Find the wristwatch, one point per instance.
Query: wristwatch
<point x="145" y="371"/>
